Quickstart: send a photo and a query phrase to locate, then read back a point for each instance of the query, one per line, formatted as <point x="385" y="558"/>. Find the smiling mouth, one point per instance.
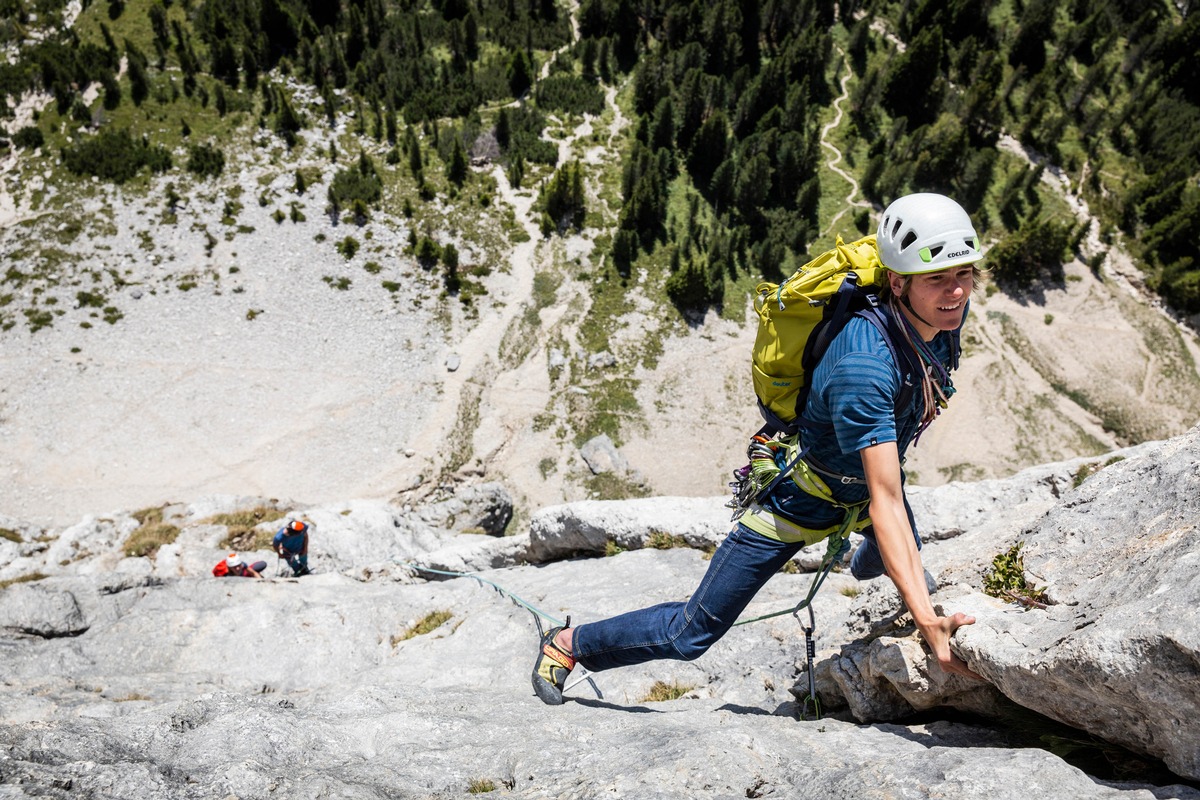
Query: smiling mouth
<point x="954" y="307"/>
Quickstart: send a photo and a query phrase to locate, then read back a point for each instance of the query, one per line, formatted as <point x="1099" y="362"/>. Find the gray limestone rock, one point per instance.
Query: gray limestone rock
<point x="483" y="508"/>
<point x="1116" y="653"/>
<point x="145" y="677"/>
<point x="588" y="526"/>
<point x="39" y="611"/>
<point x="602" y="456"/>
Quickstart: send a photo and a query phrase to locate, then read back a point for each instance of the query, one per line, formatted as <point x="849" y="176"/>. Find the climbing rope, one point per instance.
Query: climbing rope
<point x="837" y="544"/>
<point x="538" y="614"/>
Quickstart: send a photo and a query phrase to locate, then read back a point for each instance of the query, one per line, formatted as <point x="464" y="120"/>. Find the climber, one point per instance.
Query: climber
<point x="291" y="543"/>
<point x="235" y="567"/>
<point x="858" y="438"/>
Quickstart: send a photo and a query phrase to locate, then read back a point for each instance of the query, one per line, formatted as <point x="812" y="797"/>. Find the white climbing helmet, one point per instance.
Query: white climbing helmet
<point x="926" y="232"/>
<point x="234" y="560"/>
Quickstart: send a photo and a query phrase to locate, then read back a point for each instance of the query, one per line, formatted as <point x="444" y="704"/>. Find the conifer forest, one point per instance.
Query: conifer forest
<point x="720" y="183"/>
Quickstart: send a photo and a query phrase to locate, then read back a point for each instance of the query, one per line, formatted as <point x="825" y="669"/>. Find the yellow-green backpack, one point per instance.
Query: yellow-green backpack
<point x="798" y="318"/>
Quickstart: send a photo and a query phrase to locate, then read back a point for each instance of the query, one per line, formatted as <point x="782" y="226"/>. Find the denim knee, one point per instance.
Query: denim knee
<point x="866" y="563"/>
<point x="691" y="638"/>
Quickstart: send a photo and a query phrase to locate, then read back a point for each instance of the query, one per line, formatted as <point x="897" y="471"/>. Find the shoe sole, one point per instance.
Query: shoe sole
<point x="547" y="692"/>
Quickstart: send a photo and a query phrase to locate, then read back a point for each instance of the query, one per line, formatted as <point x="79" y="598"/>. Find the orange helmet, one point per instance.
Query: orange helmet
<point x="297" y="525"/>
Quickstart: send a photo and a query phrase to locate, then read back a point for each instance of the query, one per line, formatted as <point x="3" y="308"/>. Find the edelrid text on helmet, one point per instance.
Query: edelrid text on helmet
<point x="926" y="232"/>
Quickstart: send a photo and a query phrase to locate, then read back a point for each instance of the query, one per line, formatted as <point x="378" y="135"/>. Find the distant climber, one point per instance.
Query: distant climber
<point x="291" y="543"/>
<point x="855" y="432"/>
<point x="235" y="567"/>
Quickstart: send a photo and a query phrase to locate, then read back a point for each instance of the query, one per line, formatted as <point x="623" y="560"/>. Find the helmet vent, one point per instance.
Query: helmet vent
<point x="896" y="227"/>
<point x="933" y="251"/>
<point x="909" y="238"/>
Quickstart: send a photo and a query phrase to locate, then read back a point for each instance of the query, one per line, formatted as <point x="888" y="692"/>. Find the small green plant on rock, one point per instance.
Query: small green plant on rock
<point x="152" y="534"/>
<point x="661" y="540"/>
<point x="1006" y="579"/>
<point x="243" y="533"/>
<point x="662" y="692"/>
<point x="30" y="577"/>
<point x="429" y="623"/>
<point x="611" y="548"/>
<point x="1085" y="471"/>
<point x="480" y="786"/>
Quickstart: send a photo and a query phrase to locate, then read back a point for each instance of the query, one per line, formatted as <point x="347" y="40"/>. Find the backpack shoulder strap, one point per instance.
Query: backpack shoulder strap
<point x="907" y="363"/>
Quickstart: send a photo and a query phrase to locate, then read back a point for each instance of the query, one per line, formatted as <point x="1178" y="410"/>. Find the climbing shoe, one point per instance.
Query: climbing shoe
<point x="552" y="667"/>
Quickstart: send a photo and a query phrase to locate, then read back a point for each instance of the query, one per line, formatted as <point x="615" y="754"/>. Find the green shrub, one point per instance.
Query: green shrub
<point x="348" y="247"/>
<point x="205" y="161"/>
<point x="428" y="252"/>
<point x="30" y="138"/>
<point x="480" y="786"/>
<point x="360" y="182"/>
<point x="570" y="93"/>
<point x="114" y="155"/>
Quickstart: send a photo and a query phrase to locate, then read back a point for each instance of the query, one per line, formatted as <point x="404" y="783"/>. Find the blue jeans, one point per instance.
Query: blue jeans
<point x="742" y="565"/>
<point x="867" y="561"/>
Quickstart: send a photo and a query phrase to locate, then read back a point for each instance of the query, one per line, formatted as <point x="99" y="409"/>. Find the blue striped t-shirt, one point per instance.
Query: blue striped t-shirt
<point x="852" y="403"/>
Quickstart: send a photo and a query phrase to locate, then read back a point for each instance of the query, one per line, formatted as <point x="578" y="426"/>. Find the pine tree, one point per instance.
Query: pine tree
<point x="456" y="167"/>
<point x="416" y="164"/>
<point x="139" y="78"/>
<point x="519" y="73"/>
<point x="503" y="129"/>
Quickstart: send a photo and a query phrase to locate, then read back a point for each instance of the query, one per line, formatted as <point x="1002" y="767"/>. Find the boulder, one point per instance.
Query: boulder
<point x="1116" y="652"/>
<point x="39" y="611"/>
<point x="483" y="508"/>
<point x="587" y="527"/>
<point x="602" y="456"/>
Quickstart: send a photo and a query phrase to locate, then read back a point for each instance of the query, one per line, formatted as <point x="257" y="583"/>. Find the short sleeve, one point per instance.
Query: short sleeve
<point x="861" y="394"/>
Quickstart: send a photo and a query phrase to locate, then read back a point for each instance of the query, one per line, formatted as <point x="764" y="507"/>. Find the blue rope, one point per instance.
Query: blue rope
<point x="537" y="612"/>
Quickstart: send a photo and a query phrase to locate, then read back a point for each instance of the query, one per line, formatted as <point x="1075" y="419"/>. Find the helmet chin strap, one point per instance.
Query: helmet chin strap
<point x="907" y="304"/>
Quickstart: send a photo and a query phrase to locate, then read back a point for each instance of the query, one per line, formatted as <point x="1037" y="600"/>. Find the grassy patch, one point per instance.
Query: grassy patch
<point x="611" y="548"/>
<point x="1006" y="579"/>
<point x="609" y="486"/>
<point x="147" y="539"/>
<point x="1085" y="471"/>
<point x="660" y="540"/>
<point x="662" y="692"/>
<point x="429" y="623"/>
<point x="33" y="576"/>
<point x="243" y="533"/>
<point x="467" y="420"/>
<point x="848" y="591"/>
<point x="480" y="786"/>
<point x="963" y="471"/>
